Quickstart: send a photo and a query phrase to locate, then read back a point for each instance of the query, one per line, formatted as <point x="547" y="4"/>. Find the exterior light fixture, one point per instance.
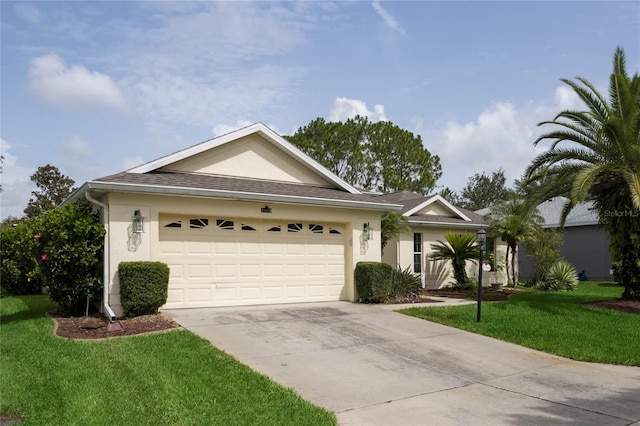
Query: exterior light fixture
<point x="367" y="231"/>
<point x="137" y="222"/>
<point x="482" y="239"/>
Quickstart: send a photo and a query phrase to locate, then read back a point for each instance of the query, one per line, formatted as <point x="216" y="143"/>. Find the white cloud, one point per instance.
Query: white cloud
<point x="344" y="109"/>
<point x="502" y="136"/>
<point x="16" y="183"/>
<point x="388" y="19"/>
<point x="76" y="148"/>
<point x="223" y="129"/>
<point x="28" y="12"/>
<point x="76" y="86"/>
<point x="130" y="163"/>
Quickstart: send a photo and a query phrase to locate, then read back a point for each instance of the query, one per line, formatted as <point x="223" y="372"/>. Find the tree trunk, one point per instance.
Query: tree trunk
<point x="514" y="251"/>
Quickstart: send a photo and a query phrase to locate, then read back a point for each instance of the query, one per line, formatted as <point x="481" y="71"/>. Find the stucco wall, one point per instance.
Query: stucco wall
<point x="436" y="274"/>
<point x="125" y="246"/>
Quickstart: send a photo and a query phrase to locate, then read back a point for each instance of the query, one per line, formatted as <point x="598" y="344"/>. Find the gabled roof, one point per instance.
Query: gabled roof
<point x="257" y="128"/>
<point x="414" y="203"/>
<point x="155" y="178"/>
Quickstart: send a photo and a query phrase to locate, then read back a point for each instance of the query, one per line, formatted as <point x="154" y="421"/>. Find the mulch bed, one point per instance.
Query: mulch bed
<point x="623" y="305"/>
<point x="96" y="326"/>
<point x="488" y="295"/>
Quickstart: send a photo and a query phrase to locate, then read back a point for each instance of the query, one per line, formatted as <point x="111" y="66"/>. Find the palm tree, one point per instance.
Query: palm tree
<point x="391" y="226"/>
<point x="514" y="220"/>
<point x="459" y="248"/>
<point x="599" y="160"/>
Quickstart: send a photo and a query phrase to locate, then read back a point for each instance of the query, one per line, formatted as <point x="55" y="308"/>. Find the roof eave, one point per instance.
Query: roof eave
<point x="234" y="195"/>
<point x="449" y="224"/>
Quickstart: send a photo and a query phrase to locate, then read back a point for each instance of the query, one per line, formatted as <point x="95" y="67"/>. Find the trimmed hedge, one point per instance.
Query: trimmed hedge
<point x="143" y="287"/>
<point x="373" y="281"/>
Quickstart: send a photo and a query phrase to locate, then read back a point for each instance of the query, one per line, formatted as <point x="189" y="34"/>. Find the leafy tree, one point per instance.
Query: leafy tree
<point x="336" y="145"/>
<point x="543" y="245"/>
<point x="513" y="221"/>
<point x="53" y="189"/>
<point x="399" y="160"/>
<point x="373" y="156"/>
<point x="484" y="191"/>
<point x="460" y="247"/>
<point x="451" y="196"/>
<point x="392" y="225"/>
<point x="595" y="155"/>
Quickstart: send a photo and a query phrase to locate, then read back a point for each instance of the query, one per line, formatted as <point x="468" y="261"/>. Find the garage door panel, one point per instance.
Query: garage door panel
<point x="199" y="248"/>
<point x="250" y="271"/>
<point x="223" y="267"/>
<point x="199" y="294"/>
<point x="226" y="293"/>
<point x="222" y="248"/>
<point x="199" y="271"/>
<point x="223" y="270"/>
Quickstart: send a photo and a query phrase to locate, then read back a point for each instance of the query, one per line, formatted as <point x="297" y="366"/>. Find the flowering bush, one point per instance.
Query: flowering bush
<point x="61" y="249"/>
<point x="19" y="267"/>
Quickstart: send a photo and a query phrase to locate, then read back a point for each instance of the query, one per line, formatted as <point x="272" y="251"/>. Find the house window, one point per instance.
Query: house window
<point x="417" y="253"/>
<point x="490" y="252"/>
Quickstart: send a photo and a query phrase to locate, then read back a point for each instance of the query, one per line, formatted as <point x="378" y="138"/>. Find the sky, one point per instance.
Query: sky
<point x="95" y="88"/>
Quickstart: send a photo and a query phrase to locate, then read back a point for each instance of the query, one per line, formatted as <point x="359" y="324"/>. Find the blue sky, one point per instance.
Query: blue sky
<point x="95" y="88"/>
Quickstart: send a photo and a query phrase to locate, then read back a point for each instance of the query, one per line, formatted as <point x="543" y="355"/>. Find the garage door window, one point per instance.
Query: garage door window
<point x="225" y="224"/>
<point x="198" y="223"/>
<point x="315" y="228"/>
<point x="294" y="227"/>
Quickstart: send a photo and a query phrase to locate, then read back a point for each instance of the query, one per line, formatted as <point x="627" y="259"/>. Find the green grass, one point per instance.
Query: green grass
<point x="173" y="378"/>
<point x="557" y="323"/>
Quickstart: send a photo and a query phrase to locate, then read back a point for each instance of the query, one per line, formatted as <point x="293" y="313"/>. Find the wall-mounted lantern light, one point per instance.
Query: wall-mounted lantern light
<point x="367" y="231"/>
<point x="137" y="222"/>
<point x="265" y="209"/>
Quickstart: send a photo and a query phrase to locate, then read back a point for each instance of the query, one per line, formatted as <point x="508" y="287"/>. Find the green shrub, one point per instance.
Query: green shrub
<point x="373" y="281"/>
<point x="19" y="270"/>
<point x="405" y="283"/>
<point x="143" y="287"/>
<point x="69" y="255"/>
<point x="562" y="276"/>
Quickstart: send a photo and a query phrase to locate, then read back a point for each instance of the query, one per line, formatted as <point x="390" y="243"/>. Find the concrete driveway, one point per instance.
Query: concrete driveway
<point x="372" y="366"/>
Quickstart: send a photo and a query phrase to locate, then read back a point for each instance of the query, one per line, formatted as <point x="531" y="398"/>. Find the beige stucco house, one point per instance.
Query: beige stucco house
<point x="247" y="219"/>
<point x="242" y="219"/>
<point x="429" y="218"/>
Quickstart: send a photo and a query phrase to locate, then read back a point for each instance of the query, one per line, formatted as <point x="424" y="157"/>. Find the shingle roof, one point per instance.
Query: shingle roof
<point x="551" y="211"/>
<point x="239" y="185"/>
<point x="410" y="200"/>
<point x="582" y="214"/>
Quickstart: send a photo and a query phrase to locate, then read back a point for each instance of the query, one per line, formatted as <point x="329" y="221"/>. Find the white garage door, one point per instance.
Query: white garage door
<point x="220" y="261"/>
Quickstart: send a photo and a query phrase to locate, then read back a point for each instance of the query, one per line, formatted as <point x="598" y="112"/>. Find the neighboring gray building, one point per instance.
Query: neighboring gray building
<point x="586" y="246"/>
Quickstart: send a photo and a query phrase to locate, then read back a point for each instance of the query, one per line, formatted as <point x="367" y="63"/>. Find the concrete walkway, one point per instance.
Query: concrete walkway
<point x="372" y="366"/>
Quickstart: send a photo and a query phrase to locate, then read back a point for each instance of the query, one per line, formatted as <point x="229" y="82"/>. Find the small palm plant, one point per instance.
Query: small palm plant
<point x="460" y="247"/>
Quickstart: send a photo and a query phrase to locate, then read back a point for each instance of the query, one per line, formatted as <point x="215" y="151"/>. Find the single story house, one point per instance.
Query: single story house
<point x="586" y="246"/>
<point x="247" y="218"/>
<point x="429" y="218"/>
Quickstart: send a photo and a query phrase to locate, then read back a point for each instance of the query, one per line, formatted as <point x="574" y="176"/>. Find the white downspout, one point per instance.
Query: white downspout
<point x="106" y="277"/>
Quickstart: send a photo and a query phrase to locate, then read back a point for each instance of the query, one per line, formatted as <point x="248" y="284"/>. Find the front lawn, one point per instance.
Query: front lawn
<point x="557" y="323"/>
<point x="160" y="379"/>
